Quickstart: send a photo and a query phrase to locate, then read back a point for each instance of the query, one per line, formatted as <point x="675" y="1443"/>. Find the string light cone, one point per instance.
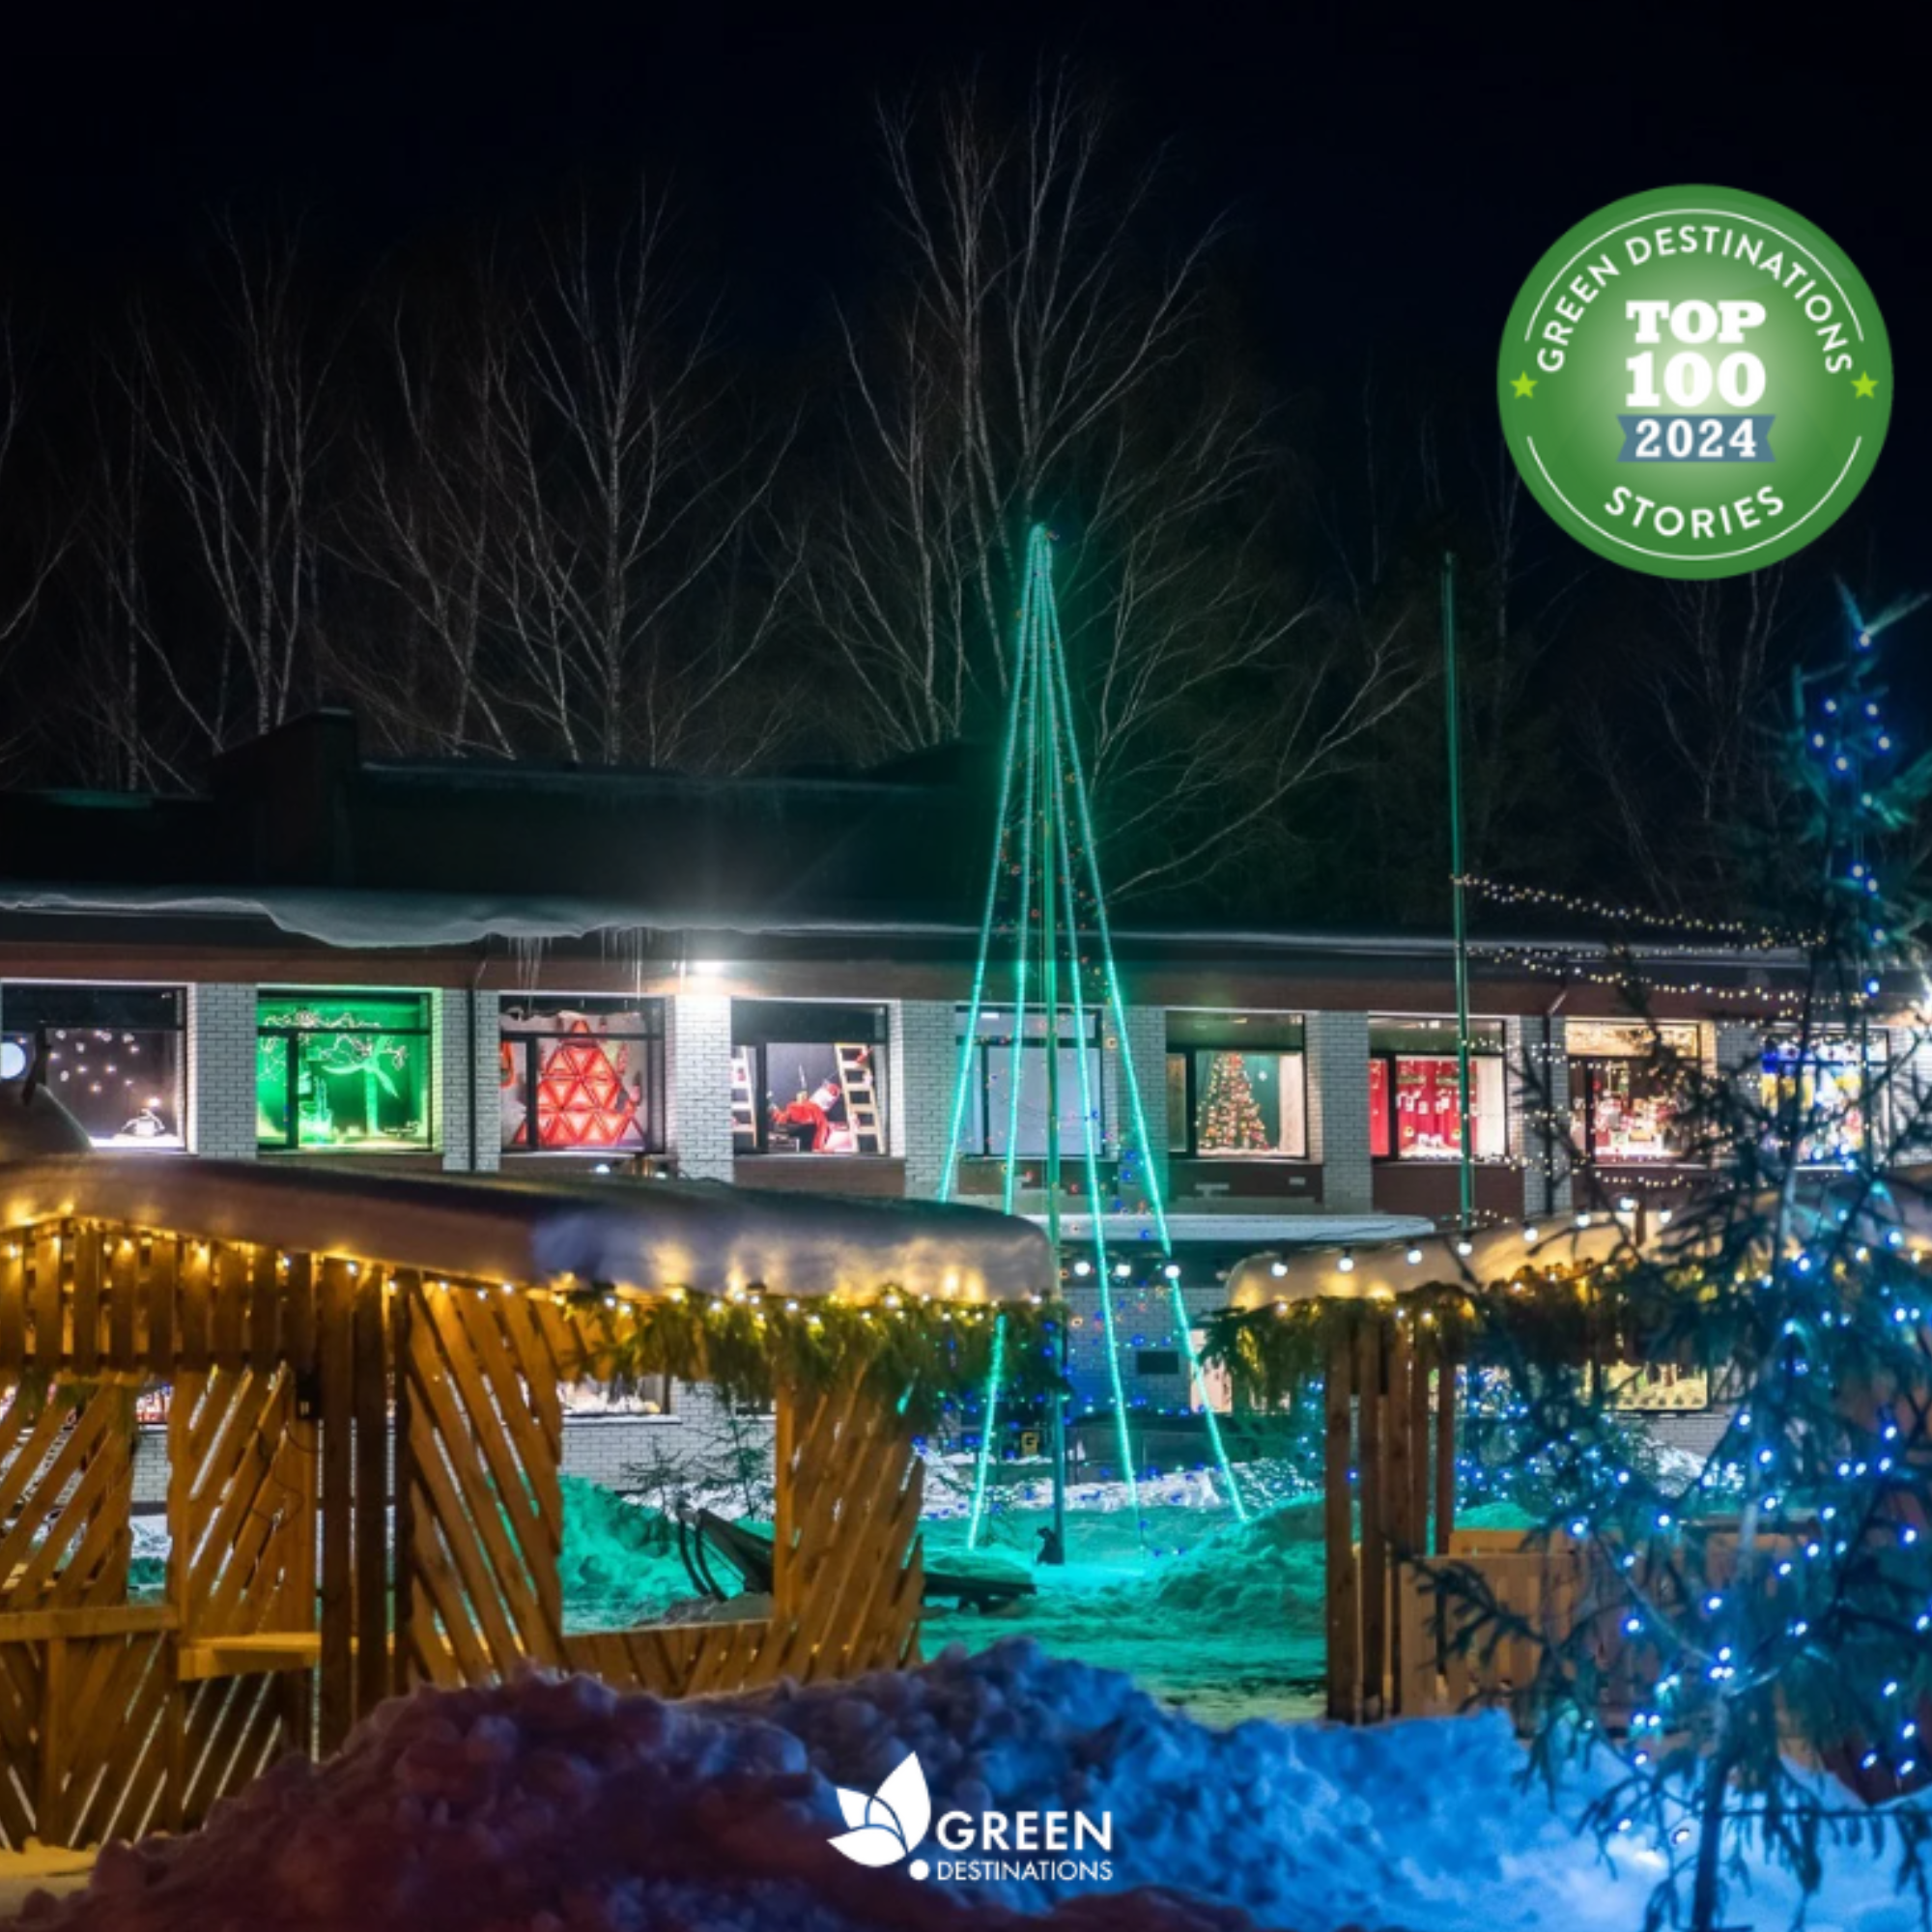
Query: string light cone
<point x="1046" y="912"/>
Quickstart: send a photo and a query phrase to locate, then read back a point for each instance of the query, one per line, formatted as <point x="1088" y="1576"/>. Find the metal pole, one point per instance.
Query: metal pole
<point x="1051" y="804"/>
<point x="1465" y="1171"/>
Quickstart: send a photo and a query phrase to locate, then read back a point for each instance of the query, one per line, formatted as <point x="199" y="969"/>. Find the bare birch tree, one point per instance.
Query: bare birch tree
<point x="634" y="488"/>
<point x="34" y="544"/>
<point x="36" y="533"/>
<point x="135" y="714"/>
<point x="429" y="524"/>
<point x="238" y="429"/>
<point x="1038" y="359"/>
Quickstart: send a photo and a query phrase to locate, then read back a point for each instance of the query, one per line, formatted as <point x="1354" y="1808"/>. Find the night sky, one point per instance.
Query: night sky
<point x="1390" y="175"/>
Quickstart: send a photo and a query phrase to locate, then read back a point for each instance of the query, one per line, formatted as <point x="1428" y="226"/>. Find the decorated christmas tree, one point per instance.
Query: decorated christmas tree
<point x="1231" y="1117"/>
<point x="1749" y="1662"/>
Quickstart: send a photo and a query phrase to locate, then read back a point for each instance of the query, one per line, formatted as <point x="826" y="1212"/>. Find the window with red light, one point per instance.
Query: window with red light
<point x="1415" y="1097"/>
<point x="582" y="1074"/>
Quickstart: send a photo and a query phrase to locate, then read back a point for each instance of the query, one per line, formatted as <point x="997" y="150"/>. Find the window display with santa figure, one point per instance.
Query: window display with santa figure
<point x="792" y="1094"/>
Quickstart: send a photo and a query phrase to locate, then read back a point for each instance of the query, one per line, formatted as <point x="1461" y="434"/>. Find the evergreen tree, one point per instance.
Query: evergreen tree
<point x="1777" y="1605"/>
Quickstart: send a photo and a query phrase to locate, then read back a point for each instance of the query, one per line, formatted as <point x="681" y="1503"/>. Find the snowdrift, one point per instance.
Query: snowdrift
<point x="555" y="1806"/>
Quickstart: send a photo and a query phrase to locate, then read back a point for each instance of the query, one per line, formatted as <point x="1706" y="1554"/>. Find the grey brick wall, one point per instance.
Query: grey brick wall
<point x="221" y="1071"/>
<point x="1691" y="1435"/>
<point x="698" y="1083"/>
<point x="1539" y="1089"/>
<point x="926" y="1061"/>
<point x="608" y="1449"/>
<point x="1146" y="1050"/>
<point x="634" y="1454"/>
<point x="1338" y="1110"/>
<point x="1738" y="1047"/>
<point x="487" y="1157"/>
<point x="1557" y="1073"/>
<point x="1143" y="1325"/>
<point x="451" y="1027"/>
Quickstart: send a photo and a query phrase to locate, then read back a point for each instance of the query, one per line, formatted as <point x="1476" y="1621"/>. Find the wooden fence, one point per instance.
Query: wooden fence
<point x="363" y="1497"/>
<point x="1389" y="1442"/>
<point x="1398" y="1645"/>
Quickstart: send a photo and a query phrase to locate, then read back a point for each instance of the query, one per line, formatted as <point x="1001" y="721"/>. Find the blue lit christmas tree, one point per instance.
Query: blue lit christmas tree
<point x="1045" y="925"/>
<point x="1778" y="1604"/>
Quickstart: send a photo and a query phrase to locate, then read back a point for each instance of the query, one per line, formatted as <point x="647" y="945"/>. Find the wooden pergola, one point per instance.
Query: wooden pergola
<point x="364" y="1438"/>
<point x="1389" y="1443"/>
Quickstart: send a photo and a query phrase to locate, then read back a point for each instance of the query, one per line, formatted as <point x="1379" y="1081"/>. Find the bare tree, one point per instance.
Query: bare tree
<point x="135" y="715"/>
<point x="238" y="427"/>
<point x="633" y="490"/>
<point x="1035" y="361"/>
<point x="1686" y="755"/>
<point x="34" y="544"/>
<point x="36" y="534"/>
<point x="430" y="522"/>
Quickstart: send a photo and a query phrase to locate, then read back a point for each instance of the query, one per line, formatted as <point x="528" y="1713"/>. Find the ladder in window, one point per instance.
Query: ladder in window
<point x="744" y="1110"/>
<point x="861" y="1101"/>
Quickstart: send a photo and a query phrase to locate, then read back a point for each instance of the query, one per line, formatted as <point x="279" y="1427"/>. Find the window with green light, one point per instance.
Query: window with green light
<point x="343" y="1072"/>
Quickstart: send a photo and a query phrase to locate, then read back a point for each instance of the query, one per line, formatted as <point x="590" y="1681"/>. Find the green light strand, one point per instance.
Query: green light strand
<point x="1028" y="674"/>
<point x="983" y="1467"/>
<point x="1183" y="1324"/>
<point x="970" y="1040"/>
<point x="1124" y="1440"/>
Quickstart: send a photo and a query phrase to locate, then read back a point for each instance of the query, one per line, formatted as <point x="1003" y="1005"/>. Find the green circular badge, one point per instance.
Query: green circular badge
<point x="1695" y="382"/>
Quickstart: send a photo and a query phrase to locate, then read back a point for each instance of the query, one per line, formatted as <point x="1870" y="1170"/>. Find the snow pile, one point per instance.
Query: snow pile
<point x="620" y="1564"/>
<point x="555" y="1806"/>
<point x="1224" y="1618"/>
<point x="950" y="1498"/>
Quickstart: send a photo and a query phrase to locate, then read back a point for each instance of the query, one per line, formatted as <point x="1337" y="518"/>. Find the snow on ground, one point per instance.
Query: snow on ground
<point x="1223" y="1618"/>
<point x="949" y="1499"/>
<point x="555" y="1806"/>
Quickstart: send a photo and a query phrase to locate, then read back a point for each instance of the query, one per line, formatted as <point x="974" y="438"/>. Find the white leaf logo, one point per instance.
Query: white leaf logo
<point x="887" y="1827"/>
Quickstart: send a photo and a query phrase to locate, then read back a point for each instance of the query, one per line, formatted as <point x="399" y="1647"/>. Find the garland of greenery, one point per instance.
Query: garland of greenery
<point x="923" y="1357"/>
<point x="1567" y="1312"/>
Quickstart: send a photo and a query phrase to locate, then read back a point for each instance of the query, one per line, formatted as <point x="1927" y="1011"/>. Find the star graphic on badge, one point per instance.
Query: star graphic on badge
<point x="1865" y="386"/>
<point x="1522" y="384"/>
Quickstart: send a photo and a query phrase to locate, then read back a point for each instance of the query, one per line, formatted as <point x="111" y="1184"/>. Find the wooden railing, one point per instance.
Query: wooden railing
<point x="293" y="1603"/>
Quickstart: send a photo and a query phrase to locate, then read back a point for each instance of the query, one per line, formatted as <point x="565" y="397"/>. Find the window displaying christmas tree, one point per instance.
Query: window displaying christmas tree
<point x="1231" y="1118"/>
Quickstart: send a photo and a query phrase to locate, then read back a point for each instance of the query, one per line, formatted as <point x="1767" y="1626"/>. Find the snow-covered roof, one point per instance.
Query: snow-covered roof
<point x="1900" y="1210"/>
<point x="642" y="1235"/>
<point x="1390" y="1265"/>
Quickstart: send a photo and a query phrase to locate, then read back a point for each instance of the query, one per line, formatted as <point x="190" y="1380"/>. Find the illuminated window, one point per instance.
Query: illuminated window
<point x="1236" y="1085"/>
<point x="808" y="1077"/>
<point x="591" y="1070"/>
<point x="993" y="1120"/>
<point x="111" y="1055"/>
<point x="1415" y="1109"/>
<point x="1625" y="1077"/>
<point x="1814" y="1093"/>
<point x="346" y="1072"/>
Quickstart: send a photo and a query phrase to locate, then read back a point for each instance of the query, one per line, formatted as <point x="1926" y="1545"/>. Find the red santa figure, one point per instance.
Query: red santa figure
<point x="813" y="1112"/>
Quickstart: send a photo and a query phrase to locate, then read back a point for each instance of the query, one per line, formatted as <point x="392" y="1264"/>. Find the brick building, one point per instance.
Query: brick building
<point x="485" y="968"/>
